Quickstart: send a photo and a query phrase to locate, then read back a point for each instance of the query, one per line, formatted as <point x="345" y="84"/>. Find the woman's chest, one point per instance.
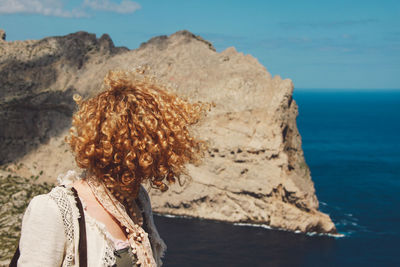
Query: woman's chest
<point x="102" y="245"/>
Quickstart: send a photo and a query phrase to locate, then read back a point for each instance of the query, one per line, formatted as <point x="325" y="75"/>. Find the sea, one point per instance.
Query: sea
<point x="351" y="142"/>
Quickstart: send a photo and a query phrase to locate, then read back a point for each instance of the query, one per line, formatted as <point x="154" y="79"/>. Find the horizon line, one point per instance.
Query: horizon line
<point x="343" y="89"/>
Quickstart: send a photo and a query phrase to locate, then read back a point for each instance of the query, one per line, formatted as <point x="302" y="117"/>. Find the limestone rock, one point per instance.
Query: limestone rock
<point x="38" y="79"/>
<point x="254" y="172"/>
<point x="2" y="35"/>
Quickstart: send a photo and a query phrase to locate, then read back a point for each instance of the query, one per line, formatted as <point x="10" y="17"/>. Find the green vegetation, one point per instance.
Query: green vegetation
<point x="15" y="194"/>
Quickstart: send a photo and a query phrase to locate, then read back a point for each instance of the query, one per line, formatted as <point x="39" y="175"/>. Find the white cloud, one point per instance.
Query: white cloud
<point x="126" y="6"/>
<point x="43" y="7"/>
<point x="56" y="8"/>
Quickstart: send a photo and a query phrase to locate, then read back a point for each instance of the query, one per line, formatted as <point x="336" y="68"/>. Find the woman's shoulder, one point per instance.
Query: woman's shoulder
<point x="55" y="202"/>
<point x="46" y="227"/>
<point x="59" y="201"/>
<point x="42" y="204"/>
<point x="42" y="213"/>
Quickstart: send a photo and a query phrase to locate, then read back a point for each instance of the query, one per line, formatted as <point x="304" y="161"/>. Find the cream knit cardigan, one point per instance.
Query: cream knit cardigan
<point x="50" y="231"/>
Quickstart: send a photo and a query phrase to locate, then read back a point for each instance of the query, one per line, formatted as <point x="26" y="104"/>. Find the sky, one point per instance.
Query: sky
<point x="319" y="44"/>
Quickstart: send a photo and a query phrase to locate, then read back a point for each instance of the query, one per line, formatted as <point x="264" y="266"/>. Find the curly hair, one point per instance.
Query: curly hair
<point x="133" y="131"/>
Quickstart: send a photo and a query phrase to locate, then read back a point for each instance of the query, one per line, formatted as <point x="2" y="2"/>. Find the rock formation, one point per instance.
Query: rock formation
<point x="2" y="35"/>
<point x="254" y="171"/>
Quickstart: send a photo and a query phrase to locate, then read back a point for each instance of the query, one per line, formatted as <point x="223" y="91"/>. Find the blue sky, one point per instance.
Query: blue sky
<point x="318" y="44"/>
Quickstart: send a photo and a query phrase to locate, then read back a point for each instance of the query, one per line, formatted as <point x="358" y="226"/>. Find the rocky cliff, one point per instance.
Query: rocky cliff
<point x="254" y="172"/>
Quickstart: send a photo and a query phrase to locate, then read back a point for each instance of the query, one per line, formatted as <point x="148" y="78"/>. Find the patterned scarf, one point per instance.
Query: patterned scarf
<point x="137" y="237"/>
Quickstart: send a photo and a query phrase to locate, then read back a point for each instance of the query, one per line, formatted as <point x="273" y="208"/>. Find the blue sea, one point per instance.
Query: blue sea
<point x="351" y="144"/>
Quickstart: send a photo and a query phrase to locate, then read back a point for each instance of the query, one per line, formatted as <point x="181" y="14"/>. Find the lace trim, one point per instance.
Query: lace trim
<point x="68" y="178"/>
<point x="61" y="198"/>
<point x="108" y="258"/>
<point x="142" y="249"/>
<point x="118" y="243"/>
<point x="137" y="237"/>
<point x="113" y="244"/>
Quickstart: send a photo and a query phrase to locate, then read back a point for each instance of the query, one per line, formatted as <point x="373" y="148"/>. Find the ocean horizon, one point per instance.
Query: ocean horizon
<point x="345" y="90"/>
<point x="350" y="143"/>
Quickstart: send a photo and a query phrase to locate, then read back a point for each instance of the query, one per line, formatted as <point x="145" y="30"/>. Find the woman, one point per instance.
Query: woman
<point x="132" y="132"/>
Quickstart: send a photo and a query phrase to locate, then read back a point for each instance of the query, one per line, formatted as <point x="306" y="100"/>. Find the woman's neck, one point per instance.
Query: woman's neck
<point x="121" y="192"/>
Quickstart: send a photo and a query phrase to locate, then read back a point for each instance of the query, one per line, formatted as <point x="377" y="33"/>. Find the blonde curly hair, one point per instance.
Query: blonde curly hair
<point x="133" y="131"/>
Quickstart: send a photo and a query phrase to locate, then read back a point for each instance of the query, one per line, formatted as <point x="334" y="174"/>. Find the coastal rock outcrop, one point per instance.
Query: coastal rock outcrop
<point x="2" y="35"/>
<point x="254" y="171"/>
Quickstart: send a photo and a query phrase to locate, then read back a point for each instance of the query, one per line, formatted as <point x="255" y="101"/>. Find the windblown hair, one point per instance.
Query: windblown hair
<point x="133" y="131"/>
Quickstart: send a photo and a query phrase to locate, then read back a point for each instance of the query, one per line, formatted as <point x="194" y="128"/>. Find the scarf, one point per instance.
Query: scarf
<point x="137" y="237"/>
